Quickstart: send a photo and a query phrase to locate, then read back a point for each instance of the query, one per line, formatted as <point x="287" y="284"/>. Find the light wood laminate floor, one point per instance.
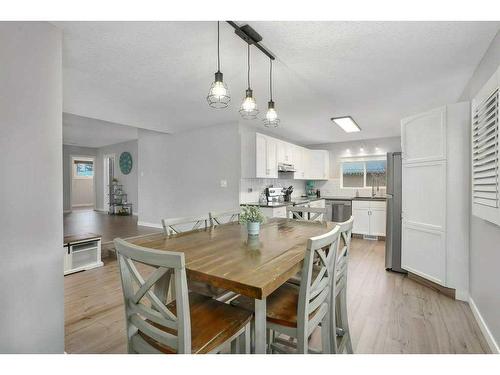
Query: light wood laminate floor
<point x="388" y="312"/>
<point x="108" y="226"/>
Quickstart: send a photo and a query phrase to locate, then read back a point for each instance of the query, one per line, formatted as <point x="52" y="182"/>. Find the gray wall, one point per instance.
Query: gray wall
<point x="130" y="182"/>
<point x="484" y="283"/>
<point x="31" y="228"/>
<point x="69" y="150"/>
<point x="179" y="175"/>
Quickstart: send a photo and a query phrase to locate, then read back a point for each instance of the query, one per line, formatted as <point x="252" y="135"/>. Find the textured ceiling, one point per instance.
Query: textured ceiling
<point x="156" y="75"/>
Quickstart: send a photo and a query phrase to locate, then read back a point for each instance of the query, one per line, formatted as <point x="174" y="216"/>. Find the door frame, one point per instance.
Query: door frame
<point x="105" y="173"/>
<point x="88" y="157"/>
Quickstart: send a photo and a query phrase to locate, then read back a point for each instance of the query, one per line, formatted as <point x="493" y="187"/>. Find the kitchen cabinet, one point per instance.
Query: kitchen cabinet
<point x="369" y="217"/>
<point x="318" y="164"/>
<point x="266" y="165"/>
<point x="300" y="165"/>
<point x="271" y="212"/>
<point x="285" y="152"/>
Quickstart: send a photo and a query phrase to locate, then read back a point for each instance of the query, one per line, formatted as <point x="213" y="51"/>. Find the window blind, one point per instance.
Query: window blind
<point x="485" y="152"/>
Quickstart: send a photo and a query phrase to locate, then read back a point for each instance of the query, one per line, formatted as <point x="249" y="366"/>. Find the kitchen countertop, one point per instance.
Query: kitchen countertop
<point x="294" y="201"/>
<point x="338" y="198"/>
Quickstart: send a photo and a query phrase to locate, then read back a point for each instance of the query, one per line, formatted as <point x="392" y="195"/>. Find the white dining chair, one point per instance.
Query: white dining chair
<point x="306" y="213"/>
<point x="184" y="224"/>
<point x="225" y="217"/>
<point x="190" y="324"/>
<point x="296" y="311"/>
<point x="340" y="321"/>
<point x="172" y="227"/>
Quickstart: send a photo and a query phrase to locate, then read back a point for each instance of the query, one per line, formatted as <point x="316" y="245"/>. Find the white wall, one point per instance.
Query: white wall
<point x="484" y="275"/>
<point x="180" y="174"/>
<point x="129" y="181"/>
<point x="31" y="228"/>
<point x="377" y="146"/>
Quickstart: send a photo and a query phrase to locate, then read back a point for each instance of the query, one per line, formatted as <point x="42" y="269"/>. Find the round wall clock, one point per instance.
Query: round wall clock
<point x="125" y="162"/>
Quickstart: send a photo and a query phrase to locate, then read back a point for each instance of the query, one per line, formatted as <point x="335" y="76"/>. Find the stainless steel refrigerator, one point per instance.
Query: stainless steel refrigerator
<point x="393" y="219"/>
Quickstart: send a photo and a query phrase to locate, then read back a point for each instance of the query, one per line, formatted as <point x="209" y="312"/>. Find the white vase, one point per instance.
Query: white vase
<point x="253" y="228"/>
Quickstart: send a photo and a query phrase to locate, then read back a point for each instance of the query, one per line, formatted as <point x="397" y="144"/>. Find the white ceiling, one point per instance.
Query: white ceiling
<point x="89" y="132"/>
<point x="156" y="75"/>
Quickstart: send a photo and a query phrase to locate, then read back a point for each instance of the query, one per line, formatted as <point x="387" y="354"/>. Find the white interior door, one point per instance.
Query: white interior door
<point x="423" y="139"/>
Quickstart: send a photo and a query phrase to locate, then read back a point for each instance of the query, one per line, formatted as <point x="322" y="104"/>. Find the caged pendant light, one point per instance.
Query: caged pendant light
<point x="248" y="109"/>
<point x="271" y="120"/>
<point x="218" y="96"/>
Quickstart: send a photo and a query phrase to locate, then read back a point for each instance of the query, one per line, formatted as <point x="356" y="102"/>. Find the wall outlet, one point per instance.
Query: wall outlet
<point x="250" y="190"/>
<point x="223" y="183"/>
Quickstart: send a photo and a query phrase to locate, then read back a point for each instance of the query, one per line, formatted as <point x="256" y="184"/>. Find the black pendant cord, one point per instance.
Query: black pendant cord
<point x="271" y="79"/>
<point x="248" y="65"/>
<point x="218" y="47"/>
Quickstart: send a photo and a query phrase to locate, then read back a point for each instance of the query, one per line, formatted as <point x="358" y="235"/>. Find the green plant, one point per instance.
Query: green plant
<point x="251" y="214"/>
<point x="115" y="179"/>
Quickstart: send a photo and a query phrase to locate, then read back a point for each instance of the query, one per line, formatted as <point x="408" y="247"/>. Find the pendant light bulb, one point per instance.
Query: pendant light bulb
<point x="218" y="96"/>
<point x="248" y="109"/>
<point x="271" y="120"/>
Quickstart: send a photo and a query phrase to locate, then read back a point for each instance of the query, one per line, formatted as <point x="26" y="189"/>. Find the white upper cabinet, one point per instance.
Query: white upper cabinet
<point x="319" y="165"/>
<point x="260" y="155"/>
<point x="266" y="165"/>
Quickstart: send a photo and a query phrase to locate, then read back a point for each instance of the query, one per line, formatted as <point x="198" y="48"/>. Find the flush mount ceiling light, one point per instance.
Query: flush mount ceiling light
<point x="218" y="96"/>
<point x="347" y="124"/>
<point x="271" y="120"/>
<point x="248" y="109"/>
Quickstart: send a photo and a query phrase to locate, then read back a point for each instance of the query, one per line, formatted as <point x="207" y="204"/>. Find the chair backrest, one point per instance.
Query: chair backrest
<point x="218" y="218"/>
<point x="316" y="286"/>
<point x="146" y="309"/>
<point x="184" y="224"/>
<point x="305" y="213"/>
<point x="345" y="229"/>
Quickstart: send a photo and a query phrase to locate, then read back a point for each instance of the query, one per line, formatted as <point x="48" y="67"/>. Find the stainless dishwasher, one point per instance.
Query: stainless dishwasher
<point x="338" y="210"/>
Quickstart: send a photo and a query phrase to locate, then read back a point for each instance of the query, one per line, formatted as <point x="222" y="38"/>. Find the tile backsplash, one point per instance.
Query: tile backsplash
<point x="257" y="185"/>
<point x="332" y="188"/>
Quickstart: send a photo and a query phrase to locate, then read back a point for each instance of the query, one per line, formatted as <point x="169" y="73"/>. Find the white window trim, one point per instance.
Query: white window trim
<point x="73" y="167"/>
<point x="363" y="159"/>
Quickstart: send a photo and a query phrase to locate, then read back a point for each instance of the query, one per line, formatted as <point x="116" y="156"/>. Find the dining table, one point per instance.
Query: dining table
<point x="225" y="256"/>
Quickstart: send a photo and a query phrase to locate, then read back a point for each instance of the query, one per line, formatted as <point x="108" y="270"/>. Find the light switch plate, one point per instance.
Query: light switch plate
<point x="223" y="183"/>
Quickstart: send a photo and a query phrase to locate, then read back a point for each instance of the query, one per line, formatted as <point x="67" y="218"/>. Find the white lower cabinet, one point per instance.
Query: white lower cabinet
<point x="271" y="212"/>
<point x="369" y="217"/>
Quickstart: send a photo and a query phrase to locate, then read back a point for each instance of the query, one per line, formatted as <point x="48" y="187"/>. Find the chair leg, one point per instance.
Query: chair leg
<point x="326" y="333"/>
<point x="234" y="345"/>
<point x="343" y="321"/>
<point x="244" y="341"/>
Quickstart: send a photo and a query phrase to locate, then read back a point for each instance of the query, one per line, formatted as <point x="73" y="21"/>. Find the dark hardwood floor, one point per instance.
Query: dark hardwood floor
<point x="388" y="312"/>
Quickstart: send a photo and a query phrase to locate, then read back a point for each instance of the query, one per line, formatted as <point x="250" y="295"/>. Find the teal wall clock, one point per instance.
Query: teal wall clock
<point x="125" y="162"/>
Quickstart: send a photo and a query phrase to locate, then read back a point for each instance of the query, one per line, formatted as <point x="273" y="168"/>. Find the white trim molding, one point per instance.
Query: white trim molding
<point x="495" y="349"/>
<point x="151" y="225"/>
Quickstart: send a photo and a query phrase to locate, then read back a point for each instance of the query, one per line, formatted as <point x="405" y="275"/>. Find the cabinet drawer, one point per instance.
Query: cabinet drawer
<point x="360" y="205"/>
<point x="377" y="205"/>
<point x="279" y="212"/>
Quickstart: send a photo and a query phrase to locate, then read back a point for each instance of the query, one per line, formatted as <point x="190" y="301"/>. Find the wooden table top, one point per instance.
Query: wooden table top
<point x="71" y="238"/>
<point x="225" y="256"/>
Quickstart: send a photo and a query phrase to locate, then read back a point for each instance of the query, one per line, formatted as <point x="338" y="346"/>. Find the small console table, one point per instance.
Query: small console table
<point x="82" y="252"/>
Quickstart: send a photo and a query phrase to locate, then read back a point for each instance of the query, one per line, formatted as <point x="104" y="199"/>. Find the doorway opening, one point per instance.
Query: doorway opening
<point x="82" y="182"/>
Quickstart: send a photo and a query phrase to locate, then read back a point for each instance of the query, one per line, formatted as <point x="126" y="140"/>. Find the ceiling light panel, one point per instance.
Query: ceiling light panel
<point x="347" y="124"/>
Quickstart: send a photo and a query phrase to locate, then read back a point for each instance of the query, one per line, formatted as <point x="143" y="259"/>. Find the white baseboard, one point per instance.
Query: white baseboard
<point x="462" y="295"/>
<point x="84" y="205"/>
<point x="484" y="328"/>
<point x="151" y="225"/>
<point x="100" y="210"/>
<point x="67" y="211"/>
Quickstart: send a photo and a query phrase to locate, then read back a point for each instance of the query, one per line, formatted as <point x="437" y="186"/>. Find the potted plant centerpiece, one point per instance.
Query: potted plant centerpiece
<point x="252" y="216"/>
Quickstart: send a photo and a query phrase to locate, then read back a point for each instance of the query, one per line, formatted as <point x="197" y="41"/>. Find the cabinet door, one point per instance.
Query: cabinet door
<point x="361" y="224"/>
<point x="377" y="221"/>
<point x="260" y="156"/>
<point x="271" y="156"/>
<point x="306" y="164"/>
<point x="281" y="152"/>
<point x="289" y="153"/>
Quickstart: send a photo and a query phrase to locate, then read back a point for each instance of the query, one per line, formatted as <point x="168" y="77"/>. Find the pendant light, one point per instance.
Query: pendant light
<point x="218" y="96"/>
<point x="271" y="120"/>
<point x="248" y="109"/>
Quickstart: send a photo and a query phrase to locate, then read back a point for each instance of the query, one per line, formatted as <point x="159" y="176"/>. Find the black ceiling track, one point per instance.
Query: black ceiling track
<point x="250" y="36"/>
